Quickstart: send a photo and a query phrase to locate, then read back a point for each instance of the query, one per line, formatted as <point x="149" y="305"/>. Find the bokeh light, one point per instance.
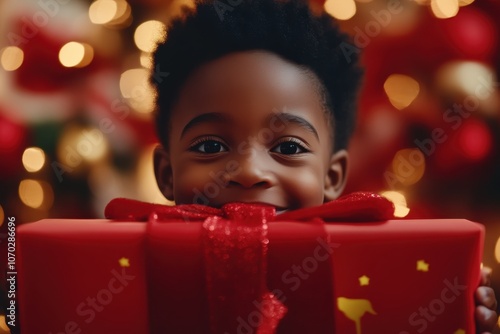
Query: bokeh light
<point x="340" y="9"/>
<point x="475" y="140"/>
<point x="444" y="9"/>
<point x="399" y="201"/>
<point x="148" y="34"/>
<point x="4" y="329"/>
<point x="408" y="165"/>
<point x="467" y="78"/>
<point x="36" y="194"/>
<point x="463" y="3"/>
<point x="11" y="58"/>
<point x="497" y="250"/>
<point x="2" y="216"/>
<point x="74" y="54"/>
<point x="112" y="13"/>
<point x="146" y="60"/>
<point x="103" y="11"/>
<point x="145" y="179"/>
<point x="136" y="88"/>
<point x="401" y="90"/>
<point x="33" y="159"/>
<point x="81" y="146"/>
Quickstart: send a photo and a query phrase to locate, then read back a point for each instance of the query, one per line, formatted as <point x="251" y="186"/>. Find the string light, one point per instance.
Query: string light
<point x="401" y="90"/>
<point x="33" y="159"/>
<point x="444" y="9"/>
<point x="148" y="34"/>
<point x="341" y="9"/>
<point x="74" y="54"/>
<point x="400" y="208"/>
<point x="11" y="58"/>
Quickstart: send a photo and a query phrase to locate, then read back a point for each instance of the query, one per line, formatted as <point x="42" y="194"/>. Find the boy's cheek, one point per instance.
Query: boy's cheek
<point x="304" y="188"/>
<point x="197" y="185"/>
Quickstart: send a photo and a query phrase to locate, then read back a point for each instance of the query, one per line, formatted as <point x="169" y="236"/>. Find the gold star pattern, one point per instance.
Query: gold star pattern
<point x="422" y="265"/>
<point x="364" y="280"/>
<point x="459" y="331"/>
<point x="124" y="262"/>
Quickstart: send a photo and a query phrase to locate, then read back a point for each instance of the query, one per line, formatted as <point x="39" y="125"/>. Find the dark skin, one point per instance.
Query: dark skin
<point x="251" y="127"/>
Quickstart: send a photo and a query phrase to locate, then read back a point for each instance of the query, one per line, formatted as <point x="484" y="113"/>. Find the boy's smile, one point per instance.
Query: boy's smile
<point x="250" y="127"/>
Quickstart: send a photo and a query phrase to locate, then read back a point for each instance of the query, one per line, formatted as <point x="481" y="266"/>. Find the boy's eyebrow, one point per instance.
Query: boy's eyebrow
<point x="207" y="117"/>
<point x="300" y="121"/>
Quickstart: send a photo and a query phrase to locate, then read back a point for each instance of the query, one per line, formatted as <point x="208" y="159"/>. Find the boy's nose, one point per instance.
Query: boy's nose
<point x="254" y="171"/>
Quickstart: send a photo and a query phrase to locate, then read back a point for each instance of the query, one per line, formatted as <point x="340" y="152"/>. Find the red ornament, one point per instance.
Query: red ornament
<point x="474" y="140"/>
<point x="472" y="33"/>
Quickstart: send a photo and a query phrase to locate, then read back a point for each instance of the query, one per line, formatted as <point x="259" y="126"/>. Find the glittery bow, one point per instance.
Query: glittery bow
<point x="235" y="249"/>
<point x="359" y="206"/>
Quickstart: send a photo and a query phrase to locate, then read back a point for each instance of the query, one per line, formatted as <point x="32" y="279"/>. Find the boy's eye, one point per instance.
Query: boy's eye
<point x="289" y="147"/>
<point x="209" y="146"/>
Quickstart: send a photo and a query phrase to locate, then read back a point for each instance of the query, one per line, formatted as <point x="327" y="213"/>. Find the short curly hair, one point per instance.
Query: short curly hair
<point x="286" y="28"/>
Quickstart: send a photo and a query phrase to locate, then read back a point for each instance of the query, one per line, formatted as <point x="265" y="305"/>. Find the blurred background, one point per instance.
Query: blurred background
<point x="76" y="108"/>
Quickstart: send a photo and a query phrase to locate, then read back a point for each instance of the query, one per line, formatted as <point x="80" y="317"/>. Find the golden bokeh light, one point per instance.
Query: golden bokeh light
<point x="146" y="185"/>
<point x="33" y="159"/>
<point x="79" y="147"/>
<point x="11" y="58"/>
<point x="408" y="165"/>
<point x="2" y="216"/>
<point x="136" y="88"/>
<point x="146" y="60"/>
<point x="401" y="90"/>
<point x="74" y="54"/>
<point x="465" y="77"/>
<point x="497" y="250"/>
<point x="341" y="9"/>
<point x="398" y="199"/>
<point x="4" y="329"/>
<point x="148" y="34"/>
<point x="36" y="194"/>
<point x="112" y="13"/>
<point x="103" y="11"/>
<point x="444" y="9"/>
<point x="463" y="3"/>
<point x="123" y="15"/>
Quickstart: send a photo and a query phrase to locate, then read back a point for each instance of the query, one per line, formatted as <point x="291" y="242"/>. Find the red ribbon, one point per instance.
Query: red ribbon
<point x="359" y="206"/>
<point x="235" y="238"/>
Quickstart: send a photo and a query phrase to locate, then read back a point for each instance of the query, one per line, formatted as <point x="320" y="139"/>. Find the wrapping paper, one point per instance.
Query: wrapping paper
<point x="241" y="269"/>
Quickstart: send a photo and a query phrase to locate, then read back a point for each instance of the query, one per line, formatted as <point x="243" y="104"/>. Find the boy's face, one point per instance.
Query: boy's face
<point x="250" y="127"/>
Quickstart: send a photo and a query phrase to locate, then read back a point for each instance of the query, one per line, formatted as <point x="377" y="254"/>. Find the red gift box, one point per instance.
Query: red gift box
<point x="169" y="276"/>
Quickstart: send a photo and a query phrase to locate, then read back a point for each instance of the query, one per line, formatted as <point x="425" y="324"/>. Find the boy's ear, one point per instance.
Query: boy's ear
<point x="336" y="175"/>
<point x="163" y="172"/>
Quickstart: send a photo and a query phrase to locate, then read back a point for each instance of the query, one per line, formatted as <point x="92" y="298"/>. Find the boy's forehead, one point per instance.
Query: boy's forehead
<point x="248" y="82"/>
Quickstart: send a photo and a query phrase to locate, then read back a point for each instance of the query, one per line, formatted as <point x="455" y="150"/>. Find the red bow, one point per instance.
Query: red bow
<point x="235" y="238"/>
<point x="360" y="206"/>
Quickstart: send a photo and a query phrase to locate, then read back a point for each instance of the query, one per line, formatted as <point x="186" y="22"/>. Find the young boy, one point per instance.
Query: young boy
<point x="258" y="107"/>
